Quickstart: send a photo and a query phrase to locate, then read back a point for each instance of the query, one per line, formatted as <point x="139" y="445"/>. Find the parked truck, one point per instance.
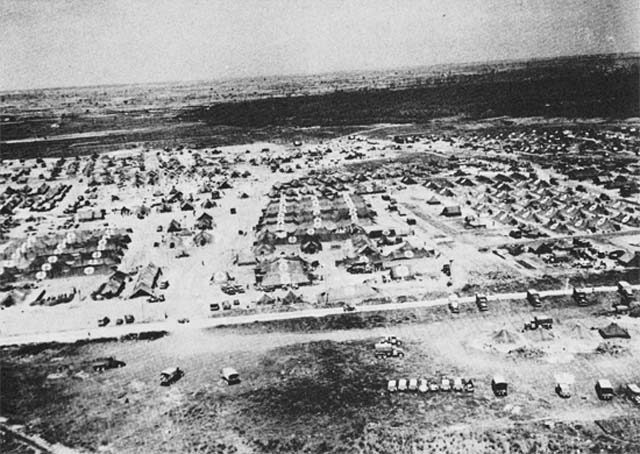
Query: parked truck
<point x="482" y="302"/>
<point x="539" y="321"/>
<point x="604" y="389"/>
<point x="170" y="375"/>
<point x="533" y="296"/>
<point x="580" y="296"/>
<point x="386" y="350"/>
<point x="499" y="386"/>
<point x="102" y="364"/>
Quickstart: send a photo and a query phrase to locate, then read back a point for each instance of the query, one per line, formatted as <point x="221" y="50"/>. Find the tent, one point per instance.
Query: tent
<point x="291" y="298"/>
<point x="266" y="299"/>
<point x="174" y="226"/>
<point x="614" y="330"/>
<point x="505" y="336"/>
<point x="202" y="238"/>
<point x="453" y="210"/>
<point x="204" y="222"/>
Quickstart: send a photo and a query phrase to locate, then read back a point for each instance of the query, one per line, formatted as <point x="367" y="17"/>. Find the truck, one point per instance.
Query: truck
<point x="102" y="364"/>
<point x="604" y="389"/>
<point x="539" y="321"/>
<point x="633" y="392"/>
<point x="393" y="340"/>
<point x="563" y="389"/>
<point x="170" y="375"/>
<point x="386" y="350"/>
<point x="230" y="375"/>
<point x="454" y="304"/>
<point x="625" y="291"/>
<point x="499" y="386"/>
<point x="348" y="307"/>
<point x="580" y="296"/>
<point x="482" y="302"/>
<point x="533" y="296"/>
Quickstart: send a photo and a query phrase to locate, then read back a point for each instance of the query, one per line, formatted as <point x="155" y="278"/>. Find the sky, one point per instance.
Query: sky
<point x="53" y="43"/>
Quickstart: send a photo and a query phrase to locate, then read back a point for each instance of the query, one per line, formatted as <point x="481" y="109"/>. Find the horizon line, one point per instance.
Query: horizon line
<point x="325" y="73"/>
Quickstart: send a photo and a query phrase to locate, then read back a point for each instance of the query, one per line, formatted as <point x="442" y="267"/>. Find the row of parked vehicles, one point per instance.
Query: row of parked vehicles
<point x="128" y="319"/>
<point x="422" y="385"/>
<point x="580" y="296"/>
<point x="173" y="374"/>
<point x="499" y="386"/>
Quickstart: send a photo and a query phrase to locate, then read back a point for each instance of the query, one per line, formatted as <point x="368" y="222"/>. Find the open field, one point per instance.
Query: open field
<point x="294" y="383"/>
<point x="240" y="111"/>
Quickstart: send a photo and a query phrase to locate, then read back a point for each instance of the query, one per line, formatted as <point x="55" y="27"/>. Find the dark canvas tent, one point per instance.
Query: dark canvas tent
<point x="453" y="210"/>
<point x="614" y="330"/>
<point x="266" y="299"/>
<point x="204" y="222"/>
<point x="291" y="298"/>
<point x="174" y="226"/>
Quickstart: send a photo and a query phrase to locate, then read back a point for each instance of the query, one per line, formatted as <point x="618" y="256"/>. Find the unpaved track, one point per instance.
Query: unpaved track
<point x="170" y="325"/>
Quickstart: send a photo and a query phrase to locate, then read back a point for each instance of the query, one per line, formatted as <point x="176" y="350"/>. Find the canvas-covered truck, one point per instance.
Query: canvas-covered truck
<point x="386" y="350"/>
<point x="533" y="296"/>
<point x="604" y="389"/>
<point x="102" y="364"/>
<point x="499" y="386"/>
<point x="539" y="321"/>
<point x="633" y="392"/>
<point x="230" y="375"/>
<point x="482" y="302"/>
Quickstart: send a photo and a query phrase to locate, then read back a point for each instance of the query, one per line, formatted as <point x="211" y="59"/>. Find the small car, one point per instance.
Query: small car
<point x="402" y="384"/>
<point x="413" y="384"/>
<point x="457" y="384"/>
<point x="445" y="384"/>
<point x="104" y="321"/>
<point x="348" y="307"/>
<point x="392" y="386"/>
<point x="183" y="320"/>
<point x="433" y="387"/>
<point x="129" y="319"/>
<point x="423" y="387"/>
<point x="214" y="307"/>
<point x="119" y="321"/>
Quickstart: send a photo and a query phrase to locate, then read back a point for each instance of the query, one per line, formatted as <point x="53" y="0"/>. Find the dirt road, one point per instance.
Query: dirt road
<point x="202" y="323"/>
